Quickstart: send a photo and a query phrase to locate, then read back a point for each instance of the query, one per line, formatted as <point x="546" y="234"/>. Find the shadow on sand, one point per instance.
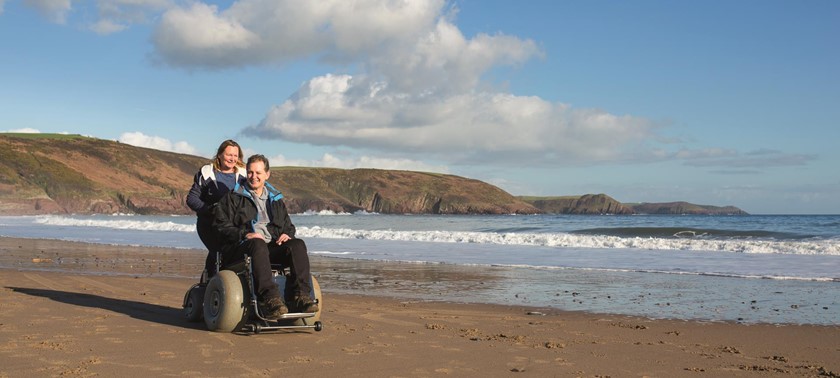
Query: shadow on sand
<point x="138" y="310"/>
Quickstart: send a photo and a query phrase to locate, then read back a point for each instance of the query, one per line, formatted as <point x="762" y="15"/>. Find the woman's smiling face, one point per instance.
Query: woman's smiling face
<point x="229" y="158"/>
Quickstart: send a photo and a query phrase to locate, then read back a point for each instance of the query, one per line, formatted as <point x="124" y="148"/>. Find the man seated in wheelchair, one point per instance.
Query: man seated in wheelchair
<point x="252" y="220"/>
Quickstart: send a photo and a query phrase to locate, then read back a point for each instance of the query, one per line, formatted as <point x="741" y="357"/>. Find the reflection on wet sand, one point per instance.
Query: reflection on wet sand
<point x="65" y="256"/>
<point x="681" y="296"/>
<point x="406" y="280"/>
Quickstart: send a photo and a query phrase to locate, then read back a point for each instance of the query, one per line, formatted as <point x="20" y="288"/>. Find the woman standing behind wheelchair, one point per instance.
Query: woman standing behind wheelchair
<point x="211" y="183"/>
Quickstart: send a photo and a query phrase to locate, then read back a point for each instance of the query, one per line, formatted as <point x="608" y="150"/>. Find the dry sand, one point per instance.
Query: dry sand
<point x="80" y="324"/>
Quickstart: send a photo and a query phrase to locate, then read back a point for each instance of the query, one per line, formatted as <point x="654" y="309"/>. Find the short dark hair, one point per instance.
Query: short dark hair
<point x="256" y="158"/>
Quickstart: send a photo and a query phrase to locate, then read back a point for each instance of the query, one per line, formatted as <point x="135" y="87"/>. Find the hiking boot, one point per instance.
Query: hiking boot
<point x="302" y="303"/>
<point x="273" y="308"/>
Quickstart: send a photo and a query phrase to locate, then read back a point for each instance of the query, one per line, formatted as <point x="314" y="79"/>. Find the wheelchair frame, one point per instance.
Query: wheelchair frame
<point x="225" y="308"/>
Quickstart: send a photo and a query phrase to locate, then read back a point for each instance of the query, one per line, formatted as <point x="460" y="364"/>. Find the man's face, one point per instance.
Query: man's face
<point x="257" y="175"/>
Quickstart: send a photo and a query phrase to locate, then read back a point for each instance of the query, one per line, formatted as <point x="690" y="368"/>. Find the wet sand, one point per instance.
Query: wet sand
<point x="76" y="309"/>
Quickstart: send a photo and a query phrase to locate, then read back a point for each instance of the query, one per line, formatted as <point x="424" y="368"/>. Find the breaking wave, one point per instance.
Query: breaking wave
<point x="650" y="239"/>
<point x="569" y="240"/>
<point x="118" y="224"/>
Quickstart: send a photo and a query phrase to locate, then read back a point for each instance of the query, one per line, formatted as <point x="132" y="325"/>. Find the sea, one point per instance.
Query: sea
<point x="781" y="269"/>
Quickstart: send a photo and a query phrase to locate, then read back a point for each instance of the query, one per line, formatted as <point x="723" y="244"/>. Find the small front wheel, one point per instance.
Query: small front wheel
<point x="318" y="326"/>
<point x="194" y="303"/>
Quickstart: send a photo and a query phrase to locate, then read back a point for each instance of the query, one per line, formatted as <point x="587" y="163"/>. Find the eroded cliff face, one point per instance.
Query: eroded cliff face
<point x="392" y="192"/>
<point x="585" y="204"/>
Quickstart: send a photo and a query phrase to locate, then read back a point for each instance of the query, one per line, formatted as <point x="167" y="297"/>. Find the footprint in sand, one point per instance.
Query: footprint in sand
<point x="301" y="359"/>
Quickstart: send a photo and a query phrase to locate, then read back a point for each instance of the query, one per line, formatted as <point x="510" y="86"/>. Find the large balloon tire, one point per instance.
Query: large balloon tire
<point x="224" y="304"/>
<point x="310" y="321"/>
<point x="194" y="304"/>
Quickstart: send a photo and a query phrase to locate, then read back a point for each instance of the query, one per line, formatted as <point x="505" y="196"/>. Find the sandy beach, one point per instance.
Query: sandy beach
<point x="75" y="309"/>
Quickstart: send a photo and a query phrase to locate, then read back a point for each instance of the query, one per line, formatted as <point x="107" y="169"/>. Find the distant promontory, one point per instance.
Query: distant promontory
<point x="604" y="204"/>
<point x="60" y="174"/>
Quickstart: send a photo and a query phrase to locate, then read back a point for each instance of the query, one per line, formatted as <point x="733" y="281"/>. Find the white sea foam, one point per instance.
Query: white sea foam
<point x="796" y="262"/>
<point x="118" y="224"/>
<point x="330" y="213"/>
<point x="565" y="240"/>
<point x="322" y="213"/>
<point x="328" y="253"/>
<point x="829" y="247"/>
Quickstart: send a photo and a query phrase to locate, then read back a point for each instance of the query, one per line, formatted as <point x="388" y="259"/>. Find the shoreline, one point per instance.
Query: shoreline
<point x="655" y="296"/>
<point x="83" y="323"/>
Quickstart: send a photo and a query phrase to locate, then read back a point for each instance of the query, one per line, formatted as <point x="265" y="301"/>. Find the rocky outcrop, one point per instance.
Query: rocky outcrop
<point x="685" y="208"/>
<point x="604" y="204"/>
<point x="585" y="204"/>
<point x="392" y="192"/>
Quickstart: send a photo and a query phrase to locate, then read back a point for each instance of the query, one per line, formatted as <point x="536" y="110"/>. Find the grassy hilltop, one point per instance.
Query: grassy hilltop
<point x="57" y="173"/>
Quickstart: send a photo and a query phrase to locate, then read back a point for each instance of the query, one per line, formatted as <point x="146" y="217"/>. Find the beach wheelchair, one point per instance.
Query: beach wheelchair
<point x="228" y="303"/>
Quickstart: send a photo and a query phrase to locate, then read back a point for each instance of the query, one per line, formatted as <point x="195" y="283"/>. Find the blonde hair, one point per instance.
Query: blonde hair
<point x="217" y="160"/>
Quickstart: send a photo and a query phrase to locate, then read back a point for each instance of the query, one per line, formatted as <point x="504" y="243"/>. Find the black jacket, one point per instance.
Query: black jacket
<point x="237" y="213"/>
<point x="206" y="191"/>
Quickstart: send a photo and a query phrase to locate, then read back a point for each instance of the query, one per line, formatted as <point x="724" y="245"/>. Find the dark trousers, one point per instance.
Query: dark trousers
<point x="292" y="254"/>
<point x="209" y="236"/>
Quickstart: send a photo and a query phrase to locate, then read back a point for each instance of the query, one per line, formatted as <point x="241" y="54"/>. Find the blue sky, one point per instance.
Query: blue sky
<point x="718" y="103"/>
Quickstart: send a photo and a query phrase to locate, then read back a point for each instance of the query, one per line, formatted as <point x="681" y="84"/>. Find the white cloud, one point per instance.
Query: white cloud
<point x="474" y="127"/>
<point x="26" y="130"/>
<point x="332" y="161"/>
<point x="198" y="36"/>
<point x="118" y="15"/>
<point x="269" y="31"/>
<point x="735" y="162"/>
<point x="141" y="140"/>
<point x="111" y="15"/>
<point x="1" y="6"/>
<point x="418" y="89"/>
<point x="54" y="10"/>
<point x="107" y="26"/>
<point x="442" y="60"/>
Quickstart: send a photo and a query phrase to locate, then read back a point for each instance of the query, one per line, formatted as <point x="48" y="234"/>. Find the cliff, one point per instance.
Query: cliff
<point x="604" y="204"/>
<point x="392" y="192"/>
<point x="585" y="204"/>
<point x="685" y="208"/>
<point x="54" y="173"/>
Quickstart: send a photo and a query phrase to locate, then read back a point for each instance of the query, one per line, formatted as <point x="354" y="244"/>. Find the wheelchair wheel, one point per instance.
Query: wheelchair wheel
<point x="224" y="304"/>
<point x="315" y="319"/>
<point x="193" y="303"/>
